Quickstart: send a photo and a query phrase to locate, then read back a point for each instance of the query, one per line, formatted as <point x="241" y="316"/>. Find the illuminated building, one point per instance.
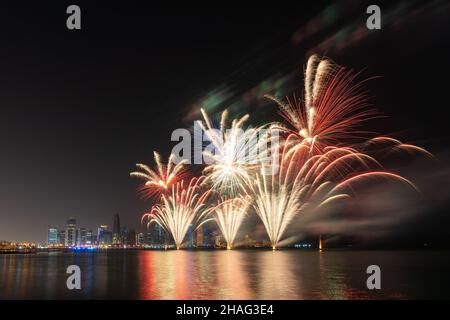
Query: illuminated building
<point x="148" y="238"/>
<point x="61" y="237"/>
<point x="104" y="236"/>
<point x="158" y="235"/>
<point x="52" y="236"/>
<point x="140" y="239"/>
<point x="100" y="231"/>
<point x="71" y="232"/>
<point x="89" y="237"/>
<point x="128" y="236"/>
<point x="81" y="238"/>
<point x="117" y="239"/>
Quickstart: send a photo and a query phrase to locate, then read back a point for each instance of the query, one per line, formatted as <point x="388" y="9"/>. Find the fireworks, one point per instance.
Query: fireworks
<point x="279" y="197"/>
<point x="333" y="107"/>
<point x="313" y="171"/>
<point x="183" y="208"/>
<point x="316" y="166"/>
<point x="303" y="183"/>
<point x="229" y="214"/>
<point x="234" y="154"/>
<point x="388" y="145"/>
<point x="159" y="181"/>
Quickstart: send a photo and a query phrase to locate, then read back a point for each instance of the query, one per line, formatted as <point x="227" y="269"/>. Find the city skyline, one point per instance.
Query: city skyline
<point x="153" y="236"/>
<point x="59" y="233"/>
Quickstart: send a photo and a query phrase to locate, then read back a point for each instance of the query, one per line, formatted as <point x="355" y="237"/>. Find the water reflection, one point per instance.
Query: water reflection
<point x="276" y="277"/>
<point x="246" y="274"/>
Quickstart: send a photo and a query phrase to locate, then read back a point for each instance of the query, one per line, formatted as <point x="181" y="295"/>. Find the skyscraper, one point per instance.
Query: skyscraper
<point x="158" y="235"/>
<point x="116" y="239"/>
<point x="100" y="231"/>
<point x="148" y="238"/>
<point x="61" y="237"/>
<point x="140" y="239"/>
<point x="52" y="236"/>
<point x="81" y="239"/>
<point x="104" y="236"/>
<point x="89" y="237"/>
<point x="71" y="232"/>
<point x="131" y="238"/>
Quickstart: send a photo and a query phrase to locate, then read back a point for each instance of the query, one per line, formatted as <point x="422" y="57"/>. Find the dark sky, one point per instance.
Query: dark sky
<point x="80" y="108"/>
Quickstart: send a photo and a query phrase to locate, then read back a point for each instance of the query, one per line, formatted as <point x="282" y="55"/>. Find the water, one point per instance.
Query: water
<point x="240" y="274"/>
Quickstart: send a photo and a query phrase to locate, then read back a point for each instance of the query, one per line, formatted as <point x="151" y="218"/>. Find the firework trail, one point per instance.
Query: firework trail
<point x="160" y="180"/>
<point x="229" y="215"/>
<point x="304" y="183"/>
<point x="315" y="168"/>
<point x="185" y="206"/>
<point x="235" y="153"/>
<point x="333" y="107"/>
<point x="316" y="165"/>
<point x="385" y="146"/>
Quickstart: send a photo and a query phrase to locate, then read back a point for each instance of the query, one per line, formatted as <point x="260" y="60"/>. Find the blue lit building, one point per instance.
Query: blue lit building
<point x="52" y="236"/>
<point x="104" y="236"/>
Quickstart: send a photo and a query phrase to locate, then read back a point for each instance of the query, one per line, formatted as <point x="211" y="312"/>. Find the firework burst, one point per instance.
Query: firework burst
<point x="332" y="109"/>
<point x="229" y="215"/>
<point x="235" y="152"/>
<point x="318" y="163"/>
<point x="386" y="146"/>
<point x="185" y="206"/>
<point x="160" y="180"/>
<point x="316" y="168"/>
<point x="303" y="183"/>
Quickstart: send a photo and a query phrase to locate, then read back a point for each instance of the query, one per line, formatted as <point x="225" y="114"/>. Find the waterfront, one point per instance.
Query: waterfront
<point x="220" y="274"/>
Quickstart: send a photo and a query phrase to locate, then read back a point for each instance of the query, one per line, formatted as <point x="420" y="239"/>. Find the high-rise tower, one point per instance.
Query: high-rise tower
<point x="52" y="236"/>
<point x="116" y="230"/>
<point x="71" y="232"/>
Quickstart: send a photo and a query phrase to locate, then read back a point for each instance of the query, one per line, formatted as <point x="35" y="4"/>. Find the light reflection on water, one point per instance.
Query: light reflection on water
<point x="235" y="274"/>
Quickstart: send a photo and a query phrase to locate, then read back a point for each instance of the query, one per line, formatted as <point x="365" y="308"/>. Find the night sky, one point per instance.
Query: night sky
<point x="80" y="108"/>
